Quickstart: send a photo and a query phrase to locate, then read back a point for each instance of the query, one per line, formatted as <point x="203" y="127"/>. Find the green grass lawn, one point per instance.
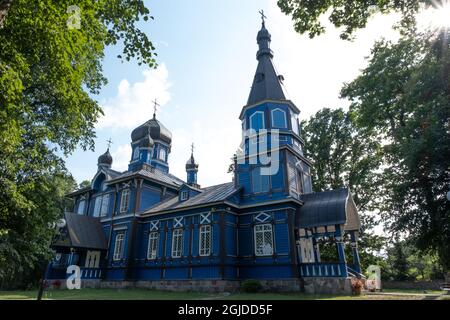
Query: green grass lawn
<point x="143" y="294"/>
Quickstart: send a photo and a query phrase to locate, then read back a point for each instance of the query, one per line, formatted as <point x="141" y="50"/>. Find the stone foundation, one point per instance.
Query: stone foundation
<point x="328" y="285"/>
<point x="325" y="285"/>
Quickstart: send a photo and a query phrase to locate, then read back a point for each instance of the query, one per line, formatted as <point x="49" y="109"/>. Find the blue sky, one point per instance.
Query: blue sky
<point x="206" y="55"/>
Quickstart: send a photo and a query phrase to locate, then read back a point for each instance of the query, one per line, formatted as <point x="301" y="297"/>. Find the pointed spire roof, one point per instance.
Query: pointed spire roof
<point x="266" y="84"/>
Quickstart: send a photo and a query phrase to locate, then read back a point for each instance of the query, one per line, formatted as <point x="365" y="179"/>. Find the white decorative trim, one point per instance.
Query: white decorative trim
<point x="154" y="225"/>
<point x="178" y="222"/>
<point x="205" y="218"/>
<point x="262" y="217"/>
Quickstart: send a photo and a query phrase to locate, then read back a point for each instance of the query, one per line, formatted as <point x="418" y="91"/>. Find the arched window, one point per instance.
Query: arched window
<point x="118" y="247"/>
<point x="257" y="120"/>
<point x="136" y="153"/>
<point x="81" y="206"/>
<point x="279" y="119"/>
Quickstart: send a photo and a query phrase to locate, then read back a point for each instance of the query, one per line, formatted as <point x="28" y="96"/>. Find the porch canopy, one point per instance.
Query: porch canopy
<point x="328" y="208"/>
<point x="81" y="232"/>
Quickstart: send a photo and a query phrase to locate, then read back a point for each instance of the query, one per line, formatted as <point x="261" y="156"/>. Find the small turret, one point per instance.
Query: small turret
<point x="192" y="169"/>
<point x="105" y="160"/>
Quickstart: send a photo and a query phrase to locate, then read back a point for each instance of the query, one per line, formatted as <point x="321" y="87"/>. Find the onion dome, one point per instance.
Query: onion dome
<point x="191" y="163"/>
<point x="105" y="159"/>
<point x="153" y="129"/>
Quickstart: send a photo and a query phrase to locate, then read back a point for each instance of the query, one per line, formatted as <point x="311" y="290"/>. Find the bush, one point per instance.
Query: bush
<point x="251" y="286"/>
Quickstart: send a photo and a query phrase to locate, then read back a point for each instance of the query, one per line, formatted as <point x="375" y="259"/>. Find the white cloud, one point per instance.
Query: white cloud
<point x="133" y="103"/>
<point x="121" y="157"/>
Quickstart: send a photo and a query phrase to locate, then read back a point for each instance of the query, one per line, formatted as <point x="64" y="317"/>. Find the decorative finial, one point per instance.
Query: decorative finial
<point x="109" y="142"/>
<point x="261" y="12"/>
<point x="155" y="107"/>
<point x="192" y="148"/>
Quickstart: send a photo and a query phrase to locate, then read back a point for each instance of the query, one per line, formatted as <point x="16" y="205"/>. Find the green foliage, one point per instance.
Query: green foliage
<point x="344" y="155"/>
<point x="350" y="15"/>
<point x="403" y="99"/>
<point x="251" y="286"/>
<point x="47" y="73"/>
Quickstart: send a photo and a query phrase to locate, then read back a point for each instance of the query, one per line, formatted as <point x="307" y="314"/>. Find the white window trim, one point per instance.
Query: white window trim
<point x="153" y="236"/>
<point x="103" y="211"/>
<point x="83" y="201"/>
<point x="118" y="254"/>
<point x="162" y="151"/>
<point x="284" y="117"/>
<point x="255" y="231"/>
<point x="263" y="120"/>
<point x="124" y="196"/>
<point x="179" y="252"/>
<point x="136" y="153"/>
<point x="204" y="251"/>
<point x="184" y="195"/>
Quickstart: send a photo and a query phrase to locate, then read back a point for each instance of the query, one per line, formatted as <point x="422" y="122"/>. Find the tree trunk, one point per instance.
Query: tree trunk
<point x="4" y="8"/>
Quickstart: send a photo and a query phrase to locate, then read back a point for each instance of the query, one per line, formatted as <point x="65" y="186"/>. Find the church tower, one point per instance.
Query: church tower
<point x="192" y="169"/>
<point x="151" y="144"/>
<point x="270" y="128"/>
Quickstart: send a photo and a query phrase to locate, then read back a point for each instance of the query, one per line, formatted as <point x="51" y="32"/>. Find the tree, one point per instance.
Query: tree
<point x="50" y="67"/>
<point x="350" y="14"/>
<point x="343" y="155"/>
<point x="403" y="99"/>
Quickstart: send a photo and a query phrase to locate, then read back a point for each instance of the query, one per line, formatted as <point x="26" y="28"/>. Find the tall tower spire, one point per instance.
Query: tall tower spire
<point x="266" y="84"/>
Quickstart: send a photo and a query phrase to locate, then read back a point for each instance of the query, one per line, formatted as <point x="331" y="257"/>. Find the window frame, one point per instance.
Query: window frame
<point x="257" y="232"/>
<point x="161" y="151"/>
<point x="153" y="245"/>
<point x="295" y="124"/>
<point x="177" y="233"/>
<point x="97" y="206"/>
<point x="253" y="182"/>
<point x="273" y="118"/>
<point x="105" y="206"/>
<point x="82" y="201"/>
<point x="204" y="251"/>
<point x="263" y="120"/>
<point x="125" y="194"/>
<point x="120" y="238"/>
<point x="184" y="195"/>
<point x="136" y="153"/>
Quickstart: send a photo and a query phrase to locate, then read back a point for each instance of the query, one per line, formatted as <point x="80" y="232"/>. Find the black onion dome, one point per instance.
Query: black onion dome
<point x="146" y="142"/>
<point x="105" y="158"/>
<point x="152" y="129"/>
<point x="159" y="132"/>
<point x="191" y="163"/>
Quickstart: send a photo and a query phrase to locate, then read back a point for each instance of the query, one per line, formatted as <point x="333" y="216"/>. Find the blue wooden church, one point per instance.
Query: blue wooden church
<point x="147" y="228"/>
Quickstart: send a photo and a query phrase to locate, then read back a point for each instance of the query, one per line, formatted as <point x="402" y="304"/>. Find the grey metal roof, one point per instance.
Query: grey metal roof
<point x="208" y="195"/>
<point x="266" y="84"/>
<point x="153" y="174"/>
<point x="81" y="232"/>
<point x="328" y="208"/>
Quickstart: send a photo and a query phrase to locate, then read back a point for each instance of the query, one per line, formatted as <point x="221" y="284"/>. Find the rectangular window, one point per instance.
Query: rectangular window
<point x="97" y="206"/>
<point x="263" y="240"/>
<point x="177" y="243"/>
<point x="162" y="154"/>
<point x="184" y="195"/>
<point x="152" y="252"/>
<point x="292" y="175"/>
<point x="118" y="247"/>
<point x="105" y="205"/>
<point x="124" y="200"/>
<point x="205" y="240"/>
<point x="260" y="182"/>
<point x="294" y="122"/>
<point x="81" y="207"/>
